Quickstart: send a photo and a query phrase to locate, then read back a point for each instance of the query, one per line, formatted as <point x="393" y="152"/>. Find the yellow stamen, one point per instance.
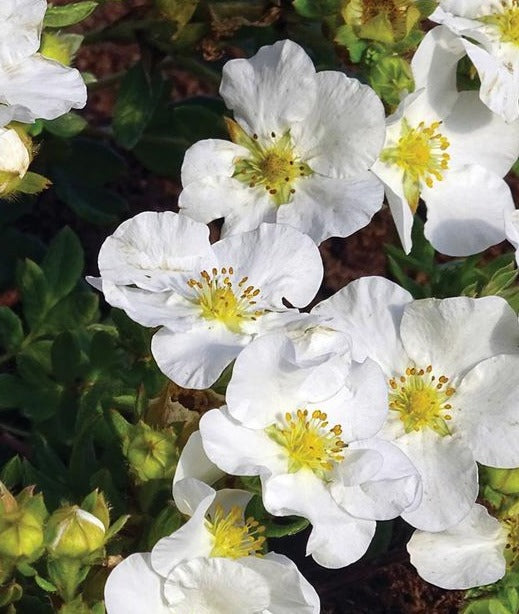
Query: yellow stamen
<point x="219" y="299"/>
<point x="233" y="537"/>
<point x="422" y="400"/>
<point x="507" y="23"/>
<point x="308" y="441"/>
<point x="421" y="153"/>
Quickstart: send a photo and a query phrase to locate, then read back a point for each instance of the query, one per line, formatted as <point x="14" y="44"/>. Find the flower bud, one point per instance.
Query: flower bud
<point x="390" y="77"/>
<point x="152" y="454"/>
<point x="15" y="158"/>
<point x="21" y="524"/>
<point x="505" y="481"/>
<point x="74" y="533"/>
<point x="60" y="47"/>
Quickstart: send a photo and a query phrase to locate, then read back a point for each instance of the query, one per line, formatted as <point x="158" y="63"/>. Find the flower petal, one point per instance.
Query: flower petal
<point x="43" y="88"/>
<point x="271" y="90"/>
<point x="344" y="133"/>
<point x="369" y="309"/>
<point x="449" y="479"/>
<point x="467" y="555"/>
<point x="454" y="334"/>
<point x="196" y="359"/>
<point x="488" y="413"/>
<point x="324" y="207"/>
<point x="134" y="587"/>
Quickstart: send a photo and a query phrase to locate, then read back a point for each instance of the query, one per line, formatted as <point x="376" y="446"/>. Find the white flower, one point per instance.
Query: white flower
<point x="451" y="367"/>
<point x="302" y="146"/>
<point x="32" y="86"/>
<point x="305" y="425"/>
<point x="14" y="158"/>
<point x="489" y="33"/>
<point x="210" y="566"/>
<point x="211" y="300"/>
<point x="469" y="554"/>
<point x="447" y="148"/>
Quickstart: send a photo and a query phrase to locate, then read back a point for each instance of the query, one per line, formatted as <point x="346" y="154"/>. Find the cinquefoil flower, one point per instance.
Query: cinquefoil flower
<point x="32" y="86"/>
<point x="489" y="33"/>
<point x="212" y="565"/>
<point x="302" y="144"/>
<point x="305" y="425"/>
<point x="472" y="553"/>
<point x="451" y="371"/>
<point x="211" y="300"/>
<point x="447" y="148"/>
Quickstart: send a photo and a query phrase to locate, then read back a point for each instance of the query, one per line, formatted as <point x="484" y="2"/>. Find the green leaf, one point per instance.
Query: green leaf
<point x="136" y="102"/>
<point x="102" y="351"/>
<point x="69" y="14"/>
<point x="12" y="472"/>
<point x="63" y="264"/>
<point x="75" y="310"/>
<point x="66" y="126"/>
<point x="35" y="292"/>
<point x="45" y="584"/>
<point x="95" y="204"/>
<point x="11" y="329"/>
<point x="32" y="183"/>
<point x="66" y="357"/>
<point x="12" y="391"/>
<point x="316" y="9"/>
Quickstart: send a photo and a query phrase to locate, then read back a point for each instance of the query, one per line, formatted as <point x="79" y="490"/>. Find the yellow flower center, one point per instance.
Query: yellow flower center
<point x="308" y="441"/>
<point x="223" y="300"/>
<point x="421" y="154"/>
<point x="234" y="537"/>
<point x="422" y="400"/>
<point x="273" y="165"/>
<point x="507" y="22"/>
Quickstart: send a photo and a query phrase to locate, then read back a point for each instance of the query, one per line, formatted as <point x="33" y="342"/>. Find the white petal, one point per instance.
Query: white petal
<point x="488" y="417"/>
<point x="133" y="588"/>
<point x="343" y="134"/>
<point x="389" y="488"/>
<point x="213" y="197"/>
<point x="369" y="310"/>
<point x="465" y="211"/>
<point x="150" y="248"/>
<point x="216" y="586"/>
<point x="512" y="228"/>
<point x="44" y="88"/>
<point x="403" y="218"/>
<point x="434" y="67"/>
<point x="449" y="479"/>
<point x="324" y="207"/>
<point x="478" y="136"/>
<point x="190" y="541"/>
<point x="289" y="591"/>
<point x="188" y="493"/>
<point x="20" y="29"/>
<point x="14" y="155"/>
<point x="271" y="90"/>
<point x="210" y="157"/>
<point x="454" y="334"/>
<point x="268" y="380"/>
<point x="278" y="260"/>
<point x="337" y="539"/>
<point x="197" y="358"/>
<point x="499" y="82"/>
<point x="239" y="450"/>
<point x="467" y="555"/>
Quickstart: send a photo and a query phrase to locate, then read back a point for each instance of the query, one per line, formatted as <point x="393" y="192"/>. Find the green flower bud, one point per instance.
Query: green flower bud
<point x="21" y="524"/>
<point x="74" y="533"/>
<point x="95" y="503"/>
<point x="390" y="77"/>
<point x="505" y="481"/>
<point x="152" y="454"/>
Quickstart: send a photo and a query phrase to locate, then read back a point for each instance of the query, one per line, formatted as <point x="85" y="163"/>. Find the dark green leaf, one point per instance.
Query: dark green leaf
<point x="11" y="330"/>
<point x="12" y="391"/>
<point x="66" y="126"/>
<point x="316" y="9"/>
<point x="95" y="204"/>
<point x="12" y="472"/>
<point x="35" y="292"/>
<point x="63" y="264"/>
<point x="137" y="100"/>
<point x="69" y="14"/>
<point x="75" y="310"/>
<point x="66" y="357"/>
